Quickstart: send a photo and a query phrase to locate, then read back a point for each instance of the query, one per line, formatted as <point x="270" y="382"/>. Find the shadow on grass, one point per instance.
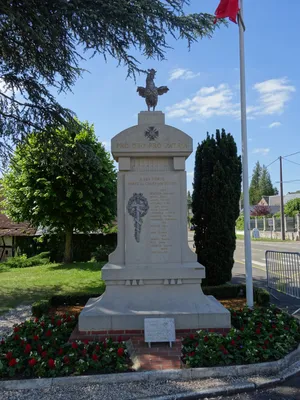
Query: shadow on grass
<point x="80" y="266"/>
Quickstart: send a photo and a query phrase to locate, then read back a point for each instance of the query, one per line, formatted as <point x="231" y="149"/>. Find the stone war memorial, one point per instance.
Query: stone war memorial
<point x="152" y="273"/>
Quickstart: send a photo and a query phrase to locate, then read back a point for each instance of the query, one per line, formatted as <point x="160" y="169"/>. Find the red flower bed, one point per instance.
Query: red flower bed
<point x="258" y="335"/>
<point x="40" y="348"/>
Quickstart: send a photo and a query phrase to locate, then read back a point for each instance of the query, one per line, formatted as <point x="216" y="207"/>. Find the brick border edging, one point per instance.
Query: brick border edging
<point x="128" y="334"/>
<point x="267" y="368"/>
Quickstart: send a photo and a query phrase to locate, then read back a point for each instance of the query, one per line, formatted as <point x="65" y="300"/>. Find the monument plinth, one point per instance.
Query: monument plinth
<point x="152" y="272"/>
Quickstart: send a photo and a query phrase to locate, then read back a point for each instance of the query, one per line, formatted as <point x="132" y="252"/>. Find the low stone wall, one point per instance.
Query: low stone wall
<point x="275" y="235"/>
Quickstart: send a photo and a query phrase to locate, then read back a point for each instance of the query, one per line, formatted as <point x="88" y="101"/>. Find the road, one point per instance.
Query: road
<point x="259" y="267"/>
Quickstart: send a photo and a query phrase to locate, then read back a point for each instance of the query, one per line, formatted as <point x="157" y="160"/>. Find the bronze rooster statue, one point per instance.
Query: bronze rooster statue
<point x="151" y="92"/>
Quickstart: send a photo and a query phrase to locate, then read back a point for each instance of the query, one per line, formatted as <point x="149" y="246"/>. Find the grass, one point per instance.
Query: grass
<point x="26" y="285"/>
<point x="241" y="237"/>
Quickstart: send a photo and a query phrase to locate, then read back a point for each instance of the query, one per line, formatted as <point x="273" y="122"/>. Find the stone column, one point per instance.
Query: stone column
<point x="274" y="224"/>
<point x="265" y="223"/>
<point x="255" y="222"/>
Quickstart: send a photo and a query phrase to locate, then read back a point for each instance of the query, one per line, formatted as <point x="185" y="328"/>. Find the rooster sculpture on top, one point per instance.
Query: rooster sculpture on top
<point x="151" y="92"/>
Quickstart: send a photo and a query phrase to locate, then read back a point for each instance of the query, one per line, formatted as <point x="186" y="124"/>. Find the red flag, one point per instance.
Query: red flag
<point x="228" y="8"/>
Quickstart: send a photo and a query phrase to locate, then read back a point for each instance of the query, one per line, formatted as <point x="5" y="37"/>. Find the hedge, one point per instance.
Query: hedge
<point x="261" y="297"/>
<point x="83" y="245"/>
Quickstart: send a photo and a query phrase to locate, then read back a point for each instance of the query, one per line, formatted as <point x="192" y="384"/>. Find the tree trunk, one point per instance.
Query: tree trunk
<point x="68" y="256"/>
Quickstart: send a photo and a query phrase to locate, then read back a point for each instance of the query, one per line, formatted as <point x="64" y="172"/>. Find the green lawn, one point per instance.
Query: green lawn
<point x="25" y="285"/>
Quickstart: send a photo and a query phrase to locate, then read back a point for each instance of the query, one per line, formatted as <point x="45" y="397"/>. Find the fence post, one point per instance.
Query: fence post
<point x="255" y="222"/>
<point x="298" y="225"/>
<point x="274" y="224"/>
<point x="265" y="223"/>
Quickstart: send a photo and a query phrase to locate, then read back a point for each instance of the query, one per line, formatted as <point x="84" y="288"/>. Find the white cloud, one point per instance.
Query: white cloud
<point x="275" y="125"/>
<point x="3" y="88"/>
<point x="223" y="100"/>
<point x="181" y="73"/>
<point x="190" y="173"/>
<point x="273" y="96"/>
<point x="208" y="102"/>
<point x="262" y="151"/>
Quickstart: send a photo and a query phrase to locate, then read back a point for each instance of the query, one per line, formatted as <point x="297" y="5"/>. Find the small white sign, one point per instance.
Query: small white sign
<point x="159" y="330"/>
<point x="270" y="221"/>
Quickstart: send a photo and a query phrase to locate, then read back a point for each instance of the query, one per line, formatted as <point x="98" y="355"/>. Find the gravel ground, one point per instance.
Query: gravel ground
<point x="124" y="391"/>
<point x="15" y="316"/>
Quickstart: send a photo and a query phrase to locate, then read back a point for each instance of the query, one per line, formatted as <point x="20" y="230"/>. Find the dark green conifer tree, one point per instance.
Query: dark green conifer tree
<point x="215" y="205"/>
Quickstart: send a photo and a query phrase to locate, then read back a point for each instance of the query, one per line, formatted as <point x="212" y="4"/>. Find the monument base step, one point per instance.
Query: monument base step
<point x="189" y="312"/>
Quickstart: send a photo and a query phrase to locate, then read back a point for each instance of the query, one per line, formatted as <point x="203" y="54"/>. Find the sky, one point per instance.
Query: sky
<point x="204" y="88"/>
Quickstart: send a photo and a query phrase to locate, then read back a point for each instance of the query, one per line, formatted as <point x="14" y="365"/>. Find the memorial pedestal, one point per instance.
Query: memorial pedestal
<point x="152" y="272"/>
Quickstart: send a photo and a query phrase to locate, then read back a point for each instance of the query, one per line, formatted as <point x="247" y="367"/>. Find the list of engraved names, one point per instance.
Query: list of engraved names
<point x="162" y="192"/>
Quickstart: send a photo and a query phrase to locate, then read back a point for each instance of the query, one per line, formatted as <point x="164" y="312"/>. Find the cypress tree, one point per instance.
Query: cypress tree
<point x="254" y="190"/>
<point x="215" y="204"/>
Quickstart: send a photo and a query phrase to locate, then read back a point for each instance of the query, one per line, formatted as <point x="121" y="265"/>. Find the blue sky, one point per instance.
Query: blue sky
<point x="204" y="87"/>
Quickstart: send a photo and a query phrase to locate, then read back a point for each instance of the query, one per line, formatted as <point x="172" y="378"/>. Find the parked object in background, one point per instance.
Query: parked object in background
<point x="255" y="233"/>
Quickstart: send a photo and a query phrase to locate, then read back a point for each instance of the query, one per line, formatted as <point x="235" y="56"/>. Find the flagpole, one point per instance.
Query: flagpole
<point x="247" y="235"/>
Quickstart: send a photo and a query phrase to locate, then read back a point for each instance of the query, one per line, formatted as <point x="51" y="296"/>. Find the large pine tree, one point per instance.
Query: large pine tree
<point x="266" y="187"/>
<point x="217" y="190"/>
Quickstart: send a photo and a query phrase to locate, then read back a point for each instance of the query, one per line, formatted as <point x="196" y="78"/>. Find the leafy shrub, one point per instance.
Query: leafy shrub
<point x="40" y="348"/>
<point x="23" y="262"/>
<point x="229" y="291"/>
<point x="102" y="252"/>
<point x="40" y="308"/>
<point x="292" y="207"/>
<point x="258" y="335"/>
<point x="239" y="224"/>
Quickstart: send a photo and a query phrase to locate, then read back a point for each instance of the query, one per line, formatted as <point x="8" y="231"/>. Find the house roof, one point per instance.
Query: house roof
<point x="10" y="228"/>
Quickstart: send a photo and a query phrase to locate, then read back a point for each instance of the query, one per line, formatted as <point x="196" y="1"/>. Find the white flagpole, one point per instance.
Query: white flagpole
<point x="247" y="235"/>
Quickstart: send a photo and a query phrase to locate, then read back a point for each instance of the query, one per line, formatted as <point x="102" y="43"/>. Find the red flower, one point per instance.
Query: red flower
<point x="51" y="363"/>
<point x="74" y="345"/>
<point x="86" y="342"/>
<point x="12" y="362"/>
<point x="36" y="320"/>
<point x="234" y="314"/>
<point x="224" y="334"/>
<point x="97" y="348"/>
<point x="274" y="326"/>
<point x="120" y="352"/>
<point x="16" y="329"/>
<point x="42" y="324"/>
<point x="286" y="328"/>
<point x="60" y="352"/>
<point x="32" y="362"/>
<point x="104" y="344"/>
<point x="192" y="354"/>
<point x="270" y="336"/>
<point x="9" y="355"/>
<point x="192" y="336"/>
<point x="22" y="342"/>
<point x="94" y="357"/>
<point x="83" y="352"/>
<point x="242" y="328"/>
<point x="232" y="342"/>
<point x="44" y="354"/>
<point x="206" y="339"/>
<point x="16" y="337"/>
<point x="64" y="316"/>
<point x="39" y="348"/>
<point x="59" y="322"/>
<point x="266" y="342"/>
<point x="264" y="347"/>
<point x="69" y="319"/>
<point x="66" y="360"/>
<point x="36" y="338"/>
<point x="2" y="341"/>
<point x="27" y="349"/>
<point x="257" y="331"/>
<point x="225" y="351"/>
<point x="48" y="333"/>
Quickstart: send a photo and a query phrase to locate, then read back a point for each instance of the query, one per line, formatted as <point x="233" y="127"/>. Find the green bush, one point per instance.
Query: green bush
<point x="23" y="262"/>
<point x="71" y="300"/>
<point x="40" y="308"/>
<point x="240" y="223"/>
<point x="261" y="296"/>
<point x="102" y="252"/>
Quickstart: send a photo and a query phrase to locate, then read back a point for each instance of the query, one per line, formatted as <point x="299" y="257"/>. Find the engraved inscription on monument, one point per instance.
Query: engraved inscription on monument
<point x="159" y="330"/>
<point x="160" y="227"/>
